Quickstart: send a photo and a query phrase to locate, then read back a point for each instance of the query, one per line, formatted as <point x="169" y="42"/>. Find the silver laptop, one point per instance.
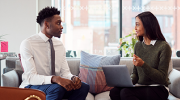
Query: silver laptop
<point x="117" y="76"/>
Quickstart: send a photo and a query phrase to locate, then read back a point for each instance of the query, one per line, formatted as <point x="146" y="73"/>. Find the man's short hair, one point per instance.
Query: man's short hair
<point x="46" y="13"/>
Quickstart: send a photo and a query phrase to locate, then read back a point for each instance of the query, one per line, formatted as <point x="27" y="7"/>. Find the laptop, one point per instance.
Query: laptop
<point x="117" y="76"/>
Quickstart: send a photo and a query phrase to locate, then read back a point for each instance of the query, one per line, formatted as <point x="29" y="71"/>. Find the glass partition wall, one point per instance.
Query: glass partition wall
<point x="90" y="25"/>
<point x="166" y="11"/>
<point x="95" y="26"/>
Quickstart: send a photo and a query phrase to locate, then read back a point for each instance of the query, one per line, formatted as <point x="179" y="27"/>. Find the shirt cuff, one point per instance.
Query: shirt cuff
<point x="47" y="80"/>
<point x="70" y="75"/>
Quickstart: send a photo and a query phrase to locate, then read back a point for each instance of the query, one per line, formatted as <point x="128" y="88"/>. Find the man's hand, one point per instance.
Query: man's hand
<point x="66" y="83"/>
<point x="77" y="82"/>
<point x="137" y="61"/>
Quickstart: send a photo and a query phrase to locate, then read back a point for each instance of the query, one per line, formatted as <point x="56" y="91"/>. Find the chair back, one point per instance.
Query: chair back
<point x="12" y="93"/>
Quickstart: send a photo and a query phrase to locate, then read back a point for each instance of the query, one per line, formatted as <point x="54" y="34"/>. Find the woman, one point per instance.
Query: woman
<point x="151" y="63"/>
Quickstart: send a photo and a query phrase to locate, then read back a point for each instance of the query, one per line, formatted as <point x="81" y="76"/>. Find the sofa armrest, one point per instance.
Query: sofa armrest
<point x="10" y="79"/>
<point x="18" y="65"/>
<point x="174" y="87"/>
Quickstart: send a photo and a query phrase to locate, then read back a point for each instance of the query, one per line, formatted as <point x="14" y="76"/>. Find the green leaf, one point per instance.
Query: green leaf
<point x="132" y="54"/>
<point x="127" y="36"/>
<point x="120" y="48"/>
<point x="2" y="36"/>
<point x="128" y="47"/>
<point x="126" y="51"/>
<point x="127" y="55"/>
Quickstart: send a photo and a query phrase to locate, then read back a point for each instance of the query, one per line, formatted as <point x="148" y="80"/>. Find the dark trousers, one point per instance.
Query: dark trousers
<point x="57" y="92"/>
<point x="139" y="93"/>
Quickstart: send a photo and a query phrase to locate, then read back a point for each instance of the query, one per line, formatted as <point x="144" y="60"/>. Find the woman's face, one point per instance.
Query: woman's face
<point x="139" y="27"/>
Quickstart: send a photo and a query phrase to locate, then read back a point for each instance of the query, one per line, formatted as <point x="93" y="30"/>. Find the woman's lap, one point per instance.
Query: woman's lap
<point x="139" y="93"/>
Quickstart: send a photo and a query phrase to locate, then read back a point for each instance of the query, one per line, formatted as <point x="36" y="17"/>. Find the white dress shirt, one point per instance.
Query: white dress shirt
<point x="36" y="60"/>
<point x="152" y="42"/>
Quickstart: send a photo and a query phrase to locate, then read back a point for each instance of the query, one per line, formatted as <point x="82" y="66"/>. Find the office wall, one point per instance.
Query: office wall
<point x="41" y="4"/>
<point x="18" y="21"/>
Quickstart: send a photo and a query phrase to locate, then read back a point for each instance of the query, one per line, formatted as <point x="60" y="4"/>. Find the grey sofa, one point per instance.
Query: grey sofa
<point x="13" y="78"/>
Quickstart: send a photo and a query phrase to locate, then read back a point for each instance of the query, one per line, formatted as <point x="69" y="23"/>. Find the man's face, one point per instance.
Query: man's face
<point x="55" y="27"/>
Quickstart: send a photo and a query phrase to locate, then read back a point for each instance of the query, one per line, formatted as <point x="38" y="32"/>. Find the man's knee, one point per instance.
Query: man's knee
<point x="56" y="88"/>
<point x="85" y="87"/>
<point x="53" y="92"/>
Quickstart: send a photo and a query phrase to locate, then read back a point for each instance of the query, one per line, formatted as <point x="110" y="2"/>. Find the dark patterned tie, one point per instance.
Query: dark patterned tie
<point x="52" y="57"/>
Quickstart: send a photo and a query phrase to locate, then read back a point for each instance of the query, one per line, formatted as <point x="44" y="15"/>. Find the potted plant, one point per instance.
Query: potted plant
<point x="1" y="37"/>
<point x="128" y="46"/>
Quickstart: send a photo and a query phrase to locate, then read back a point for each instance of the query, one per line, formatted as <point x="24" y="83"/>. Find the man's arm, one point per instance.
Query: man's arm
<point x="66" y="83"/>
<point x="65" y="71"/>
<point x="30" y="74"/>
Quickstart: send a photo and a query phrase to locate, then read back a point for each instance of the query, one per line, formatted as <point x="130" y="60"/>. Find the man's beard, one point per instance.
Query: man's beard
<point x="58" y="36"/>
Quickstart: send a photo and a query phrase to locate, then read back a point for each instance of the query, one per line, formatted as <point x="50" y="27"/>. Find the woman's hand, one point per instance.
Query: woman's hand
<point x="137" y="61"/>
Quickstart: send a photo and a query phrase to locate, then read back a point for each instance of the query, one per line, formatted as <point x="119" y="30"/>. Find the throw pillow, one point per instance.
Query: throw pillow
<point x="91" y="70"/>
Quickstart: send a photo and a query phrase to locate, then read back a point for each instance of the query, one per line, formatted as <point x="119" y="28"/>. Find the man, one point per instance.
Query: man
<point x="43" y="58"/>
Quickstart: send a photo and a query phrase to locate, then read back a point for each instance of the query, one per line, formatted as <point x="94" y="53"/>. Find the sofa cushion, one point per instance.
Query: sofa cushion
<point x="73" y="64"/>
<point x="10" y="79"/>
<point x="171" y="97"/>
<point x="176" y="62"/>
<point x="88" y="97"/>
<point x="170" y="66"/>
<point x="91" y="70"/>
<point x="18" y="65"/>
<point x="103" y="96"/>
<point x="128" y="62"/>
<point x="174" y="87"/>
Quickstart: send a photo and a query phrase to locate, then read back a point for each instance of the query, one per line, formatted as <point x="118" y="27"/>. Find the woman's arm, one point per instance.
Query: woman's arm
<point x="134" y="75"/>
<point x="160" y="74"/>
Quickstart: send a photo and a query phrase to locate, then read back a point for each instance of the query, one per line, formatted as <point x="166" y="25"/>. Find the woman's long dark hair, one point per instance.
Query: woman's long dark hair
<point x="151" y="26"/>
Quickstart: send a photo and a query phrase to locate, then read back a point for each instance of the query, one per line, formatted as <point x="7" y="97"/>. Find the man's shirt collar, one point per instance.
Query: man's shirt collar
<point x="43" y="36"/>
